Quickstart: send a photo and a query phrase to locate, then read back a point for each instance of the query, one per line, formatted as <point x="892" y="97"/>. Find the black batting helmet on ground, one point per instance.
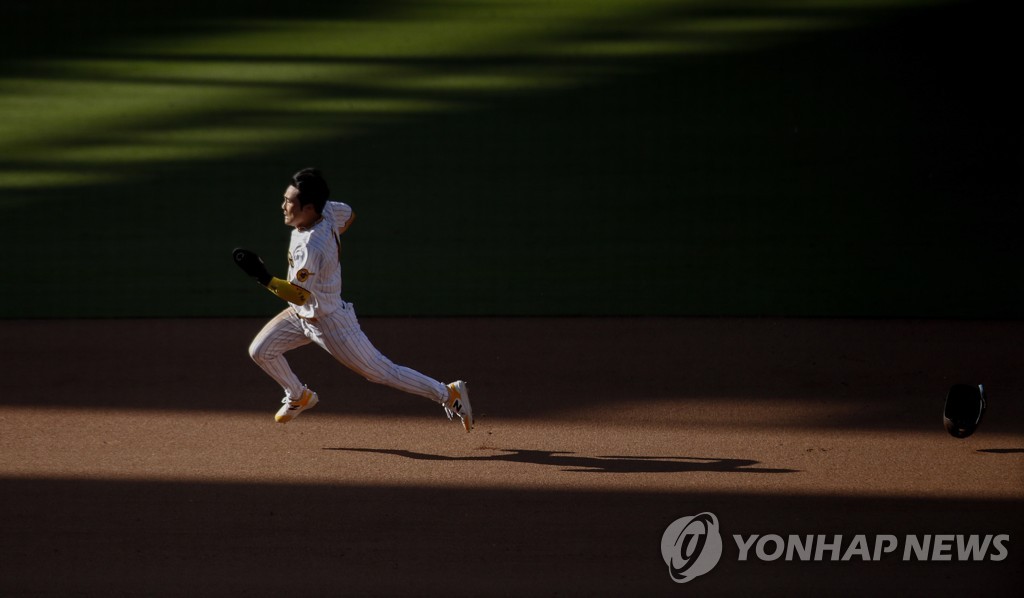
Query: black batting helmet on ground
<point x="965" y="404"/>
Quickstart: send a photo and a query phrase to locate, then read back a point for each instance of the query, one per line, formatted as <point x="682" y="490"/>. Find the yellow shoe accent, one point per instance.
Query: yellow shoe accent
<point x="291" y="409"/>
<point x="459" y="404"/>
<point x="453" y="396"/>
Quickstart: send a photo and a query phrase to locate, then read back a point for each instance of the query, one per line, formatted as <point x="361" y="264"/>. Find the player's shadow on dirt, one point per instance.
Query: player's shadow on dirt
<point x="568" y="461"/>
<point x="1002" y="451"/>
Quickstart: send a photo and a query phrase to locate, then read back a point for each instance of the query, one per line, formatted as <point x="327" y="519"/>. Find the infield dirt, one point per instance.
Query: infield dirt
<point x="141" y="457"/>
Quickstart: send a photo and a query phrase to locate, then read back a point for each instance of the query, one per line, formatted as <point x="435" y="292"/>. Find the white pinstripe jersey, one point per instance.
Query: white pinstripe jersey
<point x="314" y="260"/>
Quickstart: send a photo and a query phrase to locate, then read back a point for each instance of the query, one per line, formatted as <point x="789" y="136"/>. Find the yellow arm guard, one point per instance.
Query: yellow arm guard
<point x="288" y="291"/>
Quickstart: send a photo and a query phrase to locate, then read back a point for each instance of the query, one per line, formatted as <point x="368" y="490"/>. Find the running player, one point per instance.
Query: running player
<point x="316" y="312"/>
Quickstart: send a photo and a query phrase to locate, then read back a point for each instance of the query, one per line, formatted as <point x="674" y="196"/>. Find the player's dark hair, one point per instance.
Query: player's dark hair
<point x="312" y="188"/>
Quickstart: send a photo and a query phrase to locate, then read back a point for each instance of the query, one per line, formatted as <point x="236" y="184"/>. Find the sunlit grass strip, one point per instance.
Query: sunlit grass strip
<point x="223" y="71"/>
<point x="43" y="114"/>
<point x="167" y="100"/>
<point x="54" y="178"/>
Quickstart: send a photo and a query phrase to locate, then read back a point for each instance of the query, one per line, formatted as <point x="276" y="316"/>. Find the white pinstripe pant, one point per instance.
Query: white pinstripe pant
<point x="340" y="335"/>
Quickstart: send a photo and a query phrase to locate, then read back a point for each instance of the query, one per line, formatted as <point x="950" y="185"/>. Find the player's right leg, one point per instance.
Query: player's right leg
<point x="342" y="337"/>
<point x="280" y="335"/>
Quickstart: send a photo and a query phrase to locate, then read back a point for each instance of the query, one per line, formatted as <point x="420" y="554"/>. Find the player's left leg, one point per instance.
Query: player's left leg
<point x="280" y="335"/>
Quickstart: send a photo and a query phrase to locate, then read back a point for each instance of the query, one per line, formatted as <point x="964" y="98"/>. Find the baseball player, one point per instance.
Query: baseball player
<point x="316" y="312"/>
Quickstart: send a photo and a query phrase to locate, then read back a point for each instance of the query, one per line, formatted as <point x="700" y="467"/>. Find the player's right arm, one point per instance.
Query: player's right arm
<point x="341" y="214"/>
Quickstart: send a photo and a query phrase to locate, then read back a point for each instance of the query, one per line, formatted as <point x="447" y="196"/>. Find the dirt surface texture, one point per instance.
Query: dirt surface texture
<point x="141" y="457"/>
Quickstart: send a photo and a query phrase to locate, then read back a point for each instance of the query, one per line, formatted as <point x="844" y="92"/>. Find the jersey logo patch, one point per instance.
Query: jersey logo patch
<point x="303" y="275"/>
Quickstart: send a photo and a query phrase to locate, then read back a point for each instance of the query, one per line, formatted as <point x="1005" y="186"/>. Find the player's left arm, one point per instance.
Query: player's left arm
<point x="289" y="291"/>
<point x="253" y="265"/>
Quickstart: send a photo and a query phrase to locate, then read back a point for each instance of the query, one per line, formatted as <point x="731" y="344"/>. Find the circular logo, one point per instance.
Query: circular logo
<point x="691" y="546"/>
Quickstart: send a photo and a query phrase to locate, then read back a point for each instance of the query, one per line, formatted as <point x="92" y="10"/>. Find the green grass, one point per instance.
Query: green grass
<point x="612" y="157"/>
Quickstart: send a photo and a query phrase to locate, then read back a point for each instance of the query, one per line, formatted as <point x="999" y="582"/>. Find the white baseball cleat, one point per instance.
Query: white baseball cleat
<point x="291" y="409"/>
<point x="458" y="404"/>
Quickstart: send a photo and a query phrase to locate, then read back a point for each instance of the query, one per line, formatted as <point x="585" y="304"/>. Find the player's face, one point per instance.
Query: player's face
<point x="294" y="214"/>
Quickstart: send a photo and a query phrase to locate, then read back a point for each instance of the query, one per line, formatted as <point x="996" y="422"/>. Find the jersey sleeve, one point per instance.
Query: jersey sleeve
<point x="341" y="214"/>
<point x="306" y="261"/>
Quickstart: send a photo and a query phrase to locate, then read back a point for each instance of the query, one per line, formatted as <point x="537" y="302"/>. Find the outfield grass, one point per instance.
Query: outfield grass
<point x="817" y="158"/>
